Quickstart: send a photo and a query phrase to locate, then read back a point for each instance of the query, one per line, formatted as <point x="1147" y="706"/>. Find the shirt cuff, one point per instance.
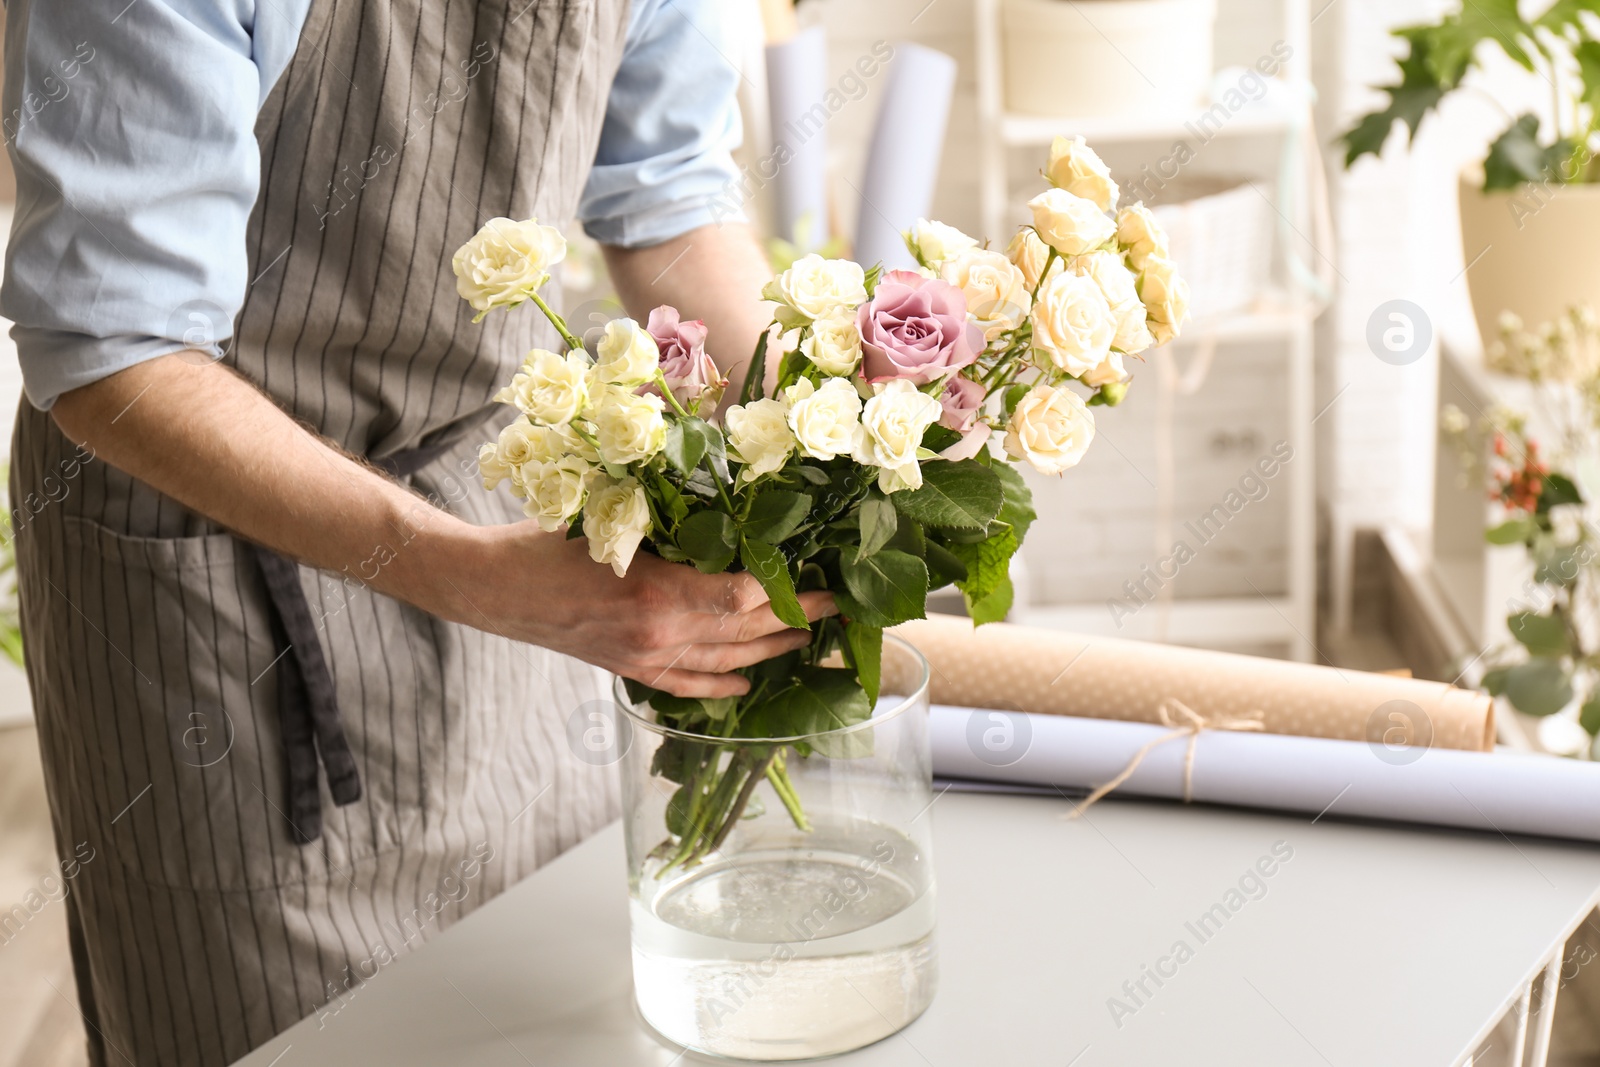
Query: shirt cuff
<point x="60" y="361"/>
<point x="663" y="222"/>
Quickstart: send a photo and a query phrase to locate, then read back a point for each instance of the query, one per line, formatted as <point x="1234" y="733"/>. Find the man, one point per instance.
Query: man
<point x="304" y="718"/>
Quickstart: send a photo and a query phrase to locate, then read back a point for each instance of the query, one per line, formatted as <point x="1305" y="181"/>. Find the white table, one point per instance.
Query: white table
<point x="1372" y="945"/>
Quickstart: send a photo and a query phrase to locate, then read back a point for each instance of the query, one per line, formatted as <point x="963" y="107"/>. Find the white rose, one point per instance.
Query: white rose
<point x="759" y="434"/>
<point x="814" y="286"/>
<point x="1140" y="235"/>
<point x="628" y="427"/>
<point x="826" y="422"/>
<point x="996" y="291"/>
<point x="1072" y="324"/>
<point x="1075" y="167"/>
<point x="834" y="345"/>
<point x="1165" y="297"/>
<point x="1050" y="428"/>
<point x="1030" y="254"/>
<point x="934" y="242"/>
<point x="549" y="388"/>
<point x="892" y="424"/>
<point x="506" y="261"/>
<point x="1070" y="224"/>
<point x="1117" y="282"/>
<point x="615" y="519"/>
<point x="628" y="354"/>
<point x="1109" y="372"/>
<point x="491" y="468"/>
<point x="551" y="443"/>
<point x="555" y="491"/>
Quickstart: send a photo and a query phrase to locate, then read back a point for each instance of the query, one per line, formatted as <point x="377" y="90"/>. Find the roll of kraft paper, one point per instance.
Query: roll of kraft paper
<point x="797" y="71"/>
<point x="903" y="160"/>
<point x="1503" y="791"/>
<point x="1047" y="671"/>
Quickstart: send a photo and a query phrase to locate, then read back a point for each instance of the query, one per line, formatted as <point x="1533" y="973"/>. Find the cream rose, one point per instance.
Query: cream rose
<point x="549" y="388"/>
<point x="1140" y="235"/>
<point x="1117" y="282"/>
<point x="629" y="427"/>
<point x="506" y="261"/>
<point x="933" y="242"/>
<point x="826" y="421"/>
<point x="1165" y="296"/>
<point x="834" y="344"/>
<point x="814" y="287"/>
<point x="615" y="519"/>
<point x="759" y="434"/>
<point x="628" y="354"/>
<point x="996" y="291"/>
<point x="1069" y="223"/>
<point x="491" y="468"/>
<point x="1109" y="372"/>
<point x="892" y="424"/>
<point x="1072" y="324"/>
<point x="1075" y="167"/>
<point x="1030" y="254"/>
<point x="555" y="491"/>
<point x="1050" y="428"/>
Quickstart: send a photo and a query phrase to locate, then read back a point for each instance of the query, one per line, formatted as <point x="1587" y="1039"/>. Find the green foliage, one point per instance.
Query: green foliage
<point x="1541" y="635"/>
<point x="885" y="589"/>
<point x="818" y="700"/>
<point x="877" y="523"/>
<point x="709" y="540"/>
<point x="1519" y="530"/>
<point x="775" y="515"/>
<point x="1516" y="156"/>
<point x="864" y="649"/>
<point x="772" y="571"/>
<point x="964" y="495"/>
<point x="1539" y="687"/>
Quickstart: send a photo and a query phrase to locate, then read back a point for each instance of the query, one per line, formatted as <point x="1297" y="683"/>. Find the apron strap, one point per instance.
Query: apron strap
<point x="308" y="703"/>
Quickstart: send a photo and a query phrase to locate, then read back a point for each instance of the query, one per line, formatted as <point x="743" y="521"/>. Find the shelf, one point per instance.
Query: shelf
<point x="1209" y="623"/>
<point x="1018" y="129"/>
<point x="1268" y="321"/>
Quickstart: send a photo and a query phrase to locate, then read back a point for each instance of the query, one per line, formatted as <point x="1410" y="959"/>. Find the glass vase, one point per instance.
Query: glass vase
<point x="802" y="924"/>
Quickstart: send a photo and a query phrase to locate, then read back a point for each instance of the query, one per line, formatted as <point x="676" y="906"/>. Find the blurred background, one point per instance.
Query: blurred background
<point x="1392" y="240"/>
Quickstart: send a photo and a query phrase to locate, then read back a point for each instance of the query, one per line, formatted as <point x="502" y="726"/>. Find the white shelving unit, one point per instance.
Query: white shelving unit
<point x="1284" y="320"/>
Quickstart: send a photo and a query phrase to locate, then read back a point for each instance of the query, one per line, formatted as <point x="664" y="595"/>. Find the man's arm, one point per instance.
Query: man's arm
<point x="714" y="273"/>
<point x="211" y="440"/>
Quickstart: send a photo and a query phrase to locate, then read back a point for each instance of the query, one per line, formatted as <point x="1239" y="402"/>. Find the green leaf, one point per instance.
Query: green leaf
<point x="671" y="499"/>
<point x="1559" y="564"/>
<point x="754" y="371"/>
<point x="1017" y="510"/>
<point x="1541" y="635"/>
<point x="877" y="525"/>
<point x="871" y="276"/>
<point x="1539" y="687"/>
<point x="678" y="810"/>
<point x="1512" y="531"/>
<point x="887" y="588"/>
<point x="988" y="564"/>
<point x="944" y="566"/>
<point x="1418" y="92"/>
<point x="1494" y="682"/>
<point x="1516" y="156"/>
<point x="1557" y="490"/>
<point x="814" y="475"/>
<point x="775" y="514"/>
<point x="1589" y="715"/>
<point x="709" y="539"/>
<point x="1013" y="397"/>
<point x="865" y="644"/>
<point x="685" y="444"/>
<point x="772" y="571"/>
<point x="992" y="608"/>
<point x="961" y="495"/>
<point x="937" y="438"/>
<point x="821" y="699"/>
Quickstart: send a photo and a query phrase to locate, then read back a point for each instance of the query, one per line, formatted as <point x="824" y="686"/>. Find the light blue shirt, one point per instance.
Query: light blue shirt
<point x="132" y="130"/>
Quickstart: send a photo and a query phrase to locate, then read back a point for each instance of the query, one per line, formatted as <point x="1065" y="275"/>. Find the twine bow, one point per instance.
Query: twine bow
<point x="1185" y="722"/>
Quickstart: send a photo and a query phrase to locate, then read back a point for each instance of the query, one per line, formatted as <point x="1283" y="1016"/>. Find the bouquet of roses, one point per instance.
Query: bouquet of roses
<point x="869" y="454"/>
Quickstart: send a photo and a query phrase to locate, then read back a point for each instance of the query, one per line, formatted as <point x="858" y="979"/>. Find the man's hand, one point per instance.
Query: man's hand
<point x="209" y="439"/>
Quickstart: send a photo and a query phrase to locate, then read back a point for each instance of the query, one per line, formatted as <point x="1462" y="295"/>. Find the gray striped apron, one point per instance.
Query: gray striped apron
<point x="200" y="925"/>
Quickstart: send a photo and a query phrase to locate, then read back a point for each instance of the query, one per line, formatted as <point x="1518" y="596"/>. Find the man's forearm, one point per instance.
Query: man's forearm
<point x="212" y="441"/>
<point x="714" y="273"/>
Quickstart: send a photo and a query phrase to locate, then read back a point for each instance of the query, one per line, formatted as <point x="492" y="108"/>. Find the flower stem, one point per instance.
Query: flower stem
<point x="556" y="321"/>
<point x="778" y="774"/>
<point x="666" y="391"/>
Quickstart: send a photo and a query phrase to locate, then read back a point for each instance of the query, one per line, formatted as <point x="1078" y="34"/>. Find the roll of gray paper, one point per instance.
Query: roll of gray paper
<point x="797" y="71"/>
<point x="1499" y="792"/>
<point x="903" y="159"/>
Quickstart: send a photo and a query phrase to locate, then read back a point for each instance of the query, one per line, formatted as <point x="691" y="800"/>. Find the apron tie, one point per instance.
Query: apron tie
<point x="308" y="703"/>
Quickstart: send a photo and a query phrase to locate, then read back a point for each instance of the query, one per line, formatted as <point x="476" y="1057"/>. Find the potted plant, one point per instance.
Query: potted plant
<point x="1537" y="185"/>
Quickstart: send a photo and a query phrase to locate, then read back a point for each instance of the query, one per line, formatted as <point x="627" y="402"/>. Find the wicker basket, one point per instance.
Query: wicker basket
<point x="1220" y="232"/>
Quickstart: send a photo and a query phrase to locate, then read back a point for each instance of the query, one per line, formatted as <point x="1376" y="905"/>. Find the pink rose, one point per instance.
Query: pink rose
<point x="915" y="328"/>
<point x="961" y="400"/>
<point x="684" y="363"/>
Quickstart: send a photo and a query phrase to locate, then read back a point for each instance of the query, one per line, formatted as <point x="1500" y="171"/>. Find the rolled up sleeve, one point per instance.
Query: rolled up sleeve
<point x="137" y="166"/>
<point x="665" y="161"/>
